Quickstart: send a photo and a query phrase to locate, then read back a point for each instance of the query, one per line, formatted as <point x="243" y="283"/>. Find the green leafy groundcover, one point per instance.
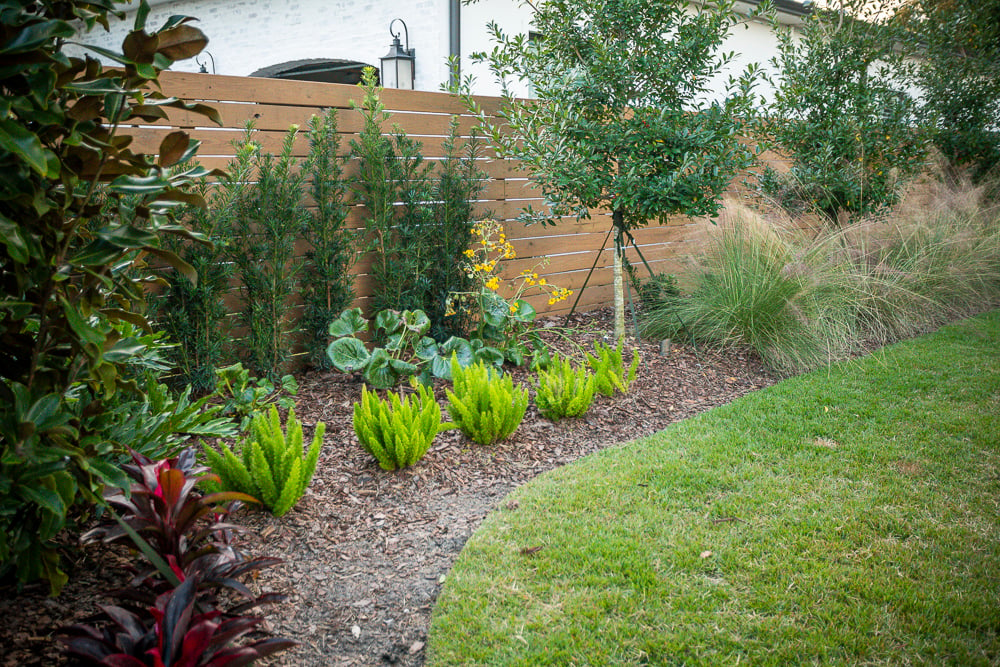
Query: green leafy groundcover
<point x="847" y="516"/>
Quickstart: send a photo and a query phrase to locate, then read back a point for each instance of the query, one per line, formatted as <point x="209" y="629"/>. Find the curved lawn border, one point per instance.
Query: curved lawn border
<point x="847" y="516"/>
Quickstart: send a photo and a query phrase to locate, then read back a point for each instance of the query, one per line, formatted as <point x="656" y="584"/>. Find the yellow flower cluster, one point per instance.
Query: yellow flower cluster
<point x="559" y="294"/>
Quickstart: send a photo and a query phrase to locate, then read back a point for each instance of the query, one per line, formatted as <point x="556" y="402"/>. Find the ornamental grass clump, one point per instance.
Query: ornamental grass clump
<point x="485" y="404"/>
<point x="270" y="466"/>
<point x="399" y="431"/>
<point x="564" y="391"/>
<point x="609" y="370"/>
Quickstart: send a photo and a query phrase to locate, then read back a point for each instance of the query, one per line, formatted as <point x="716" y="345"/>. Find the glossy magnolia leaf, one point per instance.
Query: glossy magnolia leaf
<point x="348" y="354"/>
<point x="176" y="262"/>
<point x="173" y="148"/>
<point x="140" y="47"/>
<point x="127" y="236"/>
<point x="96" y="253"/>
<point x="80" y="325"/>
<point x="30" y="37"/>
<point x="139" y="185"/>
<point x="15" y="139"/>
<point x="181" y="42"/>
<point x="147" y="112"/>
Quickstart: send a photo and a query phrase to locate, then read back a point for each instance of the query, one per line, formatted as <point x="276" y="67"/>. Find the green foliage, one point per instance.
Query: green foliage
<point x="484" y="404"/>
<point x="562" y="391"/>
<point x="158" y="423"/>
<point x="842" y="112"/>
<point x="957" y="47"/>
<point x="801" y="300"/>
<point x="68" y="267"/>
<point x="271" y="465"/>
<point x="393" y="171"/>
<point x="658" y="290"/>
<point x="193" y="313"/>
<point x="609" y="370"/>
<point x="398" y="432"/>
<point x="267" y="223"/>
<point x="408" y="350"/>
<point x="457" y="185"/>
<point x="246" y="396"/>
<point x="419" y="221"/>
<point x="621" y="121"/>
<point x="325" y="285"/>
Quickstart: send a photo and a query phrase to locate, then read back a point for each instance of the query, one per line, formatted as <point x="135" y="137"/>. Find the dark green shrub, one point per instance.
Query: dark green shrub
<point x="325" y="285"/>
<point x="65" y="269"/>
<point x="266" y="221"/>
<point x="843" y="113"/>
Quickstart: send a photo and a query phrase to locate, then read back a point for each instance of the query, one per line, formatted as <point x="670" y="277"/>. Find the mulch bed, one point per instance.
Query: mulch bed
<point x="366" y="551"/>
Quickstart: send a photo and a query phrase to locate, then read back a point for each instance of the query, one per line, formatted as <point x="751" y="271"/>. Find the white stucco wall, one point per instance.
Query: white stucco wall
<point x="248" y="35"/>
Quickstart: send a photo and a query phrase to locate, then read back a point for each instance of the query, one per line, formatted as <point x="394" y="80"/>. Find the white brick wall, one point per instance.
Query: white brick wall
<point x="248" y="35"/>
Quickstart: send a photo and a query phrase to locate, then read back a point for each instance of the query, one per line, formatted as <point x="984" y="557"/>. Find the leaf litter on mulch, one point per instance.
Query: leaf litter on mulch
<point x="366" y="550"/>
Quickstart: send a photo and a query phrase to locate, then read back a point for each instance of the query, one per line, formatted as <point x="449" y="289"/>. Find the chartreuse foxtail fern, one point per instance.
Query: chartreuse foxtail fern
<point x="609" y="368"/>
<point x="398" y="432"/>
<point x="271" y="465"/>
<point x="563" y="391"/>
<point x="484" y="404"/>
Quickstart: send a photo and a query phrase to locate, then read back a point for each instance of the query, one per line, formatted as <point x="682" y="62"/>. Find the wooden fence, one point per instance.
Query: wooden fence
<point x="571" y="247"/>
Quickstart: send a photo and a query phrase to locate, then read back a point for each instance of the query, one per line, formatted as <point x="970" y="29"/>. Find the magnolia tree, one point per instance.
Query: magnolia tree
<point x="624" y="117"/>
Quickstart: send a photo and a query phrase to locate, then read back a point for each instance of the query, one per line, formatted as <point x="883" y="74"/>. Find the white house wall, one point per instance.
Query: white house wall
<point x="249" y="35"/>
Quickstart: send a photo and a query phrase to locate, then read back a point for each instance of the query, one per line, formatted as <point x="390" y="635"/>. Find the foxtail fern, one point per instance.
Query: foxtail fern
<point x="271" y="465"/>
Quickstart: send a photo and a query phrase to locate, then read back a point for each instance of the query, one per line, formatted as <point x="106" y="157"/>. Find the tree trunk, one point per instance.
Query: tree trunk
<point x="619" y="222"/>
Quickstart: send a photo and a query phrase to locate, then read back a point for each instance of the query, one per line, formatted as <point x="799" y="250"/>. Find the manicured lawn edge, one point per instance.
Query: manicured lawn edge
<point x="846" y="516"/>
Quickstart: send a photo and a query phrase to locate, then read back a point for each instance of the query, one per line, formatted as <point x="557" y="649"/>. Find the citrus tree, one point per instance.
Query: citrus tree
<point x="624" y="116"/>
<point x="68" y="246"/>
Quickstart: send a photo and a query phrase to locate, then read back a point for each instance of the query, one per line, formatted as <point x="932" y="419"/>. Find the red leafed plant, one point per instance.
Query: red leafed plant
<point x="174" y="635"/>
<point x="164" y="507"/>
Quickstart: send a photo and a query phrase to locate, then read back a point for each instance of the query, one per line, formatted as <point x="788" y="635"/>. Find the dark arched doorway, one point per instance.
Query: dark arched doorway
<point x="325" y="70"/>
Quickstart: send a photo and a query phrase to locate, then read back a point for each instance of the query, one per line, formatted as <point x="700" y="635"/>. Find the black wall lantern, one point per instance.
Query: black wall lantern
<point x="398" y="64"/>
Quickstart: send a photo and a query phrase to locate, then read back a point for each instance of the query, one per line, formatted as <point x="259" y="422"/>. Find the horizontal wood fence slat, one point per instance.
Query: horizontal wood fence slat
<point x="568" y="249"/>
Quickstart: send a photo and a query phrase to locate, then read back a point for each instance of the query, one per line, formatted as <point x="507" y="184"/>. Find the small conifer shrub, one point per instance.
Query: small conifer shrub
<point x="271" y="465"/>
<point x="609" y="371"/>
<point x="485" y="405"/>
<point x="399" y="431"/>
<point x="562" y="391"/>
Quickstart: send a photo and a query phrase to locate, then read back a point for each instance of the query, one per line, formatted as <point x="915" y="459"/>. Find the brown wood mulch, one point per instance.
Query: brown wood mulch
<point x="366" y="551"/>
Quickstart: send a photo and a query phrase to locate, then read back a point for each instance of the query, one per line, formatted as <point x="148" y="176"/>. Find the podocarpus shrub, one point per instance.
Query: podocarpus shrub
<point x="271" y="465"/>
<point x="562" y="391"/>
<point x="326" y="285"/>
<point x="608" y="366"/>
<point x="485" y="405"/>
<point x="398" y="432"/>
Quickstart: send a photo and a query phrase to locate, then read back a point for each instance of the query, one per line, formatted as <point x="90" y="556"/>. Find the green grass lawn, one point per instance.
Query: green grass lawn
<point x="847" y="516"/>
